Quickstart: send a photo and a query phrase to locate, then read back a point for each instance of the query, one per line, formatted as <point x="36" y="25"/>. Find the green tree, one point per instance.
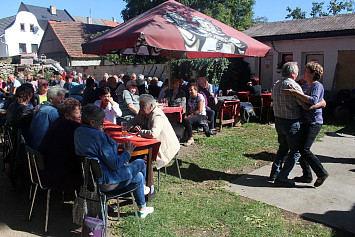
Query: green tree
<point x="336" y="7"/>
<point x="296" y="13"/>
<point x="235" y="13"/>
<point x="317" y="9"/>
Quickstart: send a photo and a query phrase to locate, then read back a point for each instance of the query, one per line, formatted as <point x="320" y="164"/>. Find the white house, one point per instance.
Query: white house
<point x="22" y="36"/>
<point x="328" y="40"/>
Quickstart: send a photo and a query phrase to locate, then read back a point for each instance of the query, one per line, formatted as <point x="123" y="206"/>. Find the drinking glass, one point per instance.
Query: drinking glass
<point x="124" y="129"/>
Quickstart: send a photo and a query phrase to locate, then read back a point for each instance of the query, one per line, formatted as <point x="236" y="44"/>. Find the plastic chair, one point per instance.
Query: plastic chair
<point x="96" y="174"/>
<point x="36" y="168"/>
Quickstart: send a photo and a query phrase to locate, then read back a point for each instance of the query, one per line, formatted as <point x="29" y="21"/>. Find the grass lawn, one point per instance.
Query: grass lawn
<point x="199" y="207"/>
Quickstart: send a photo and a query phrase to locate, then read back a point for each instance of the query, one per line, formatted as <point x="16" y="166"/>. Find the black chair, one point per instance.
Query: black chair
<point x="36" y="168"/>
<point x="257" y="102"/>
<point x="96" y="174"/>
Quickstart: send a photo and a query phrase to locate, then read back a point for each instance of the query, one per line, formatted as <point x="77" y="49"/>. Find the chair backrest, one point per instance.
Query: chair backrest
<point x="91" y="171"/>
<point x="8" y="140"/>
<point x="36" y="166"/>
<point x="256" y="100"/>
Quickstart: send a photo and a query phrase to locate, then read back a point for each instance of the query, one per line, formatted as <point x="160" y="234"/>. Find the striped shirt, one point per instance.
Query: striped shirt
<point x="286" y="106"/>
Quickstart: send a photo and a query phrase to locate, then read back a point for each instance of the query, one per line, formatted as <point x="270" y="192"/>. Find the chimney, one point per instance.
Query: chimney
<point x="53" y="10"/>
<point x="114" y="19"/>
<point x="89" y="20"/>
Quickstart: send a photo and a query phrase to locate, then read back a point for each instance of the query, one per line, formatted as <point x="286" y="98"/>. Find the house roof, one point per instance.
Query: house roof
<point x="110" y="23"/>
<point x="43" y="13"/>
<point x="326" y="26"/>
<point x="6" y="22"/>
<point x="85" y="20"/>
<point x="73" y="34"/>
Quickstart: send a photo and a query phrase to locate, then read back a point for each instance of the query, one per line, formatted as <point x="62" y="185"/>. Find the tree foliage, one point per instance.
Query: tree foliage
<point x="335" y="7"/>
<point x="296" y="13"/>
<point x="212" y="68"/>
<point x="235" y="13"/>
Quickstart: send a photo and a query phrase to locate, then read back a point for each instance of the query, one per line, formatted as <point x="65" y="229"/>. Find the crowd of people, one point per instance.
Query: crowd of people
<point x="63" y="117"/>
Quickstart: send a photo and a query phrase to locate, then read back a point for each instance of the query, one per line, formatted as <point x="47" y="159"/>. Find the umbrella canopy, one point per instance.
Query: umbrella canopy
<point x="171" y="29"/>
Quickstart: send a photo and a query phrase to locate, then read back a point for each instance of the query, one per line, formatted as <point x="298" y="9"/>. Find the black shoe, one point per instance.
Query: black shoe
<point x="272" y="179"/>
<point x="303" y="179"/>
<point x="287" y="184"/>
<point x="210" y="132"/>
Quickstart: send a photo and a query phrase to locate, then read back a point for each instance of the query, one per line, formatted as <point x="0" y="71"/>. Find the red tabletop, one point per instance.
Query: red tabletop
<point x="115" y="132"/>
<point x="266" y="99"/>
<point x="173" y="113"/>
<point x="243" y="94"/>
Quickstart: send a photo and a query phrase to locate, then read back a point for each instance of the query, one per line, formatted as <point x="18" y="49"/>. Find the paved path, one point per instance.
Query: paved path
<point x="333" y="203"/>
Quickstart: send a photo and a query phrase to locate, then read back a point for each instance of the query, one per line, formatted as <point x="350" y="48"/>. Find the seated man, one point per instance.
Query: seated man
<point x="91" y="141"/>
<point x="210" y="100"/>
<point x="45" y="115"/>
<point x="176" y="95"/>
<point x="129" y="101"/>
<point x="63" y="170"/>
<point x="151" y="122"/>
<point x="111" y="108"/>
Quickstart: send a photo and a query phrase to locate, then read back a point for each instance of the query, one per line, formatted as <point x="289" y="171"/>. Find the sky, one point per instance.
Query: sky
<point x="273" y="10"/>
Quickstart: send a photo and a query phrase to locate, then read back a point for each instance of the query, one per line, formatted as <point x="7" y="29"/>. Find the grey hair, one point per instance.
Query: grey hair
<point x="91" y="112"/>
<point x="141" y="76"/>
<point x="130" y="82"/>
<point x="289" y="68"/>
<point x="55" y="91"/>
<point x="147" y="100"/>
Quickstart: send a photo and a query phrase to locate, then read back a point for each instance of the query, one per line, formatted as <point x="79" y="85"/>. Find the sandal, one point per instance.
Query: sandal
<point x="320" y="181"/>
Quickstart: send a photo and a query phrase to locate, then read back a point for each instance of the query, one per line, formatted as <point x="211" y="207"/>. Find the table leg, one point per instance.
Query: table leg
<point x="150" y="172"/>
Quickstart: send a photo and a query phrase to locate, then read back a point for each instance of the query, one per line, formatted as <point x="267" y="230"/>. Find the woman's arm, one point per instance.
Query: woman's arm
<point x="320" y="104"/>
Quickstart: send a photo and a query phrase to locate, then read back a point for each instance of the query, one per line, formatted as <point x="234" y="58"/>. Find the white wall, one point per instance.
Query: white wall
<point x="327" y="46"/>
<point x="14" y="36"/>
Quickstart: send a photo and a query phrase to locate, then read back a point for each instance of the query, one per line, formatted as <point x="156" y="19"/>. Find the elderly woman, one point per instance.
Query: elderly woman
<point x="129" y="101"/>
<point x="62" y="166"/>
<point x="151" y="122"/>
<point x="176" y="95"/>
<point x="311" y="122"/>
<point x="196" y="113"/>
<point x="19" y="115"/>
<point x="111" y="108"/>
<point x="90" y="140"/>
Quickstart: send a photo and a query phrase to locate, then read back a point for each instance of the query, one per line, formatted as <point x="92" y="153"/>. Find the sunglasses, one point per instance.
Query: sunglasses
<point x="44" y="84"/>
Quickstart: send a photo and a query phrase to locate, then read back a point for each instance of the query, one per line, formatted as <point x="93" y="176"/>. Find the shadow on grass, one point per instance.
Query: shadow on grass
<point x="198" y="174"/>
<point x="266" y="156"/>
<point x="339" y="219"/>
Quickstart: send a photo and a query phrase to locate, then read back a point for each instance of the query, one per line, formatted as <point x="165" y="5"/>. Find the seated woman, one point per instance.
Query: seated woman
<point x="151" y="122"/>
<point x="254" y="87"/>
<point x="129" y="101"/>
<point x="63" y="170"/>
<point x="91" y="141"/>
<point x="176" y="95"/>
<point x="196" y="113"/>
<point x="153" y="87"/>
<point x="111" y="108"/>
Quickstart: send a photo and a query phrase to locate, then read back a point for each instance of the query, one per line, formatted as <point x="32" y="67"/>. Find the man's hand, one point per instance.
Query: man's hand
<point x="110" y="99"/>
<point x="129" y="147"/>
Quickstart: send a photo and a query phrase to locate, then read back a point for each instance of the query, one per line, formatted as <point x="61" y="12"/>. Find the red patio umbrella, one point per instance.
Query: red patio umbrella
<point x="171" y="29"/>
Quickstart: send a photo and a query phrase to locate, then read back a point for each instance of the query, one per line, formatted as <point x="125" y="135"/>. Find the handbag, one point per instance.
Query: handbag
<point x="87" y="203"/>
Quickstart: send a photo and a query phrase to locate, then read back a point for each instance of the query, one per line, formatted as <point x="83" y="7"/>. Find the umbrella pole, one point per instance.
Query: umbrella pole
<point x="169" y="81"/>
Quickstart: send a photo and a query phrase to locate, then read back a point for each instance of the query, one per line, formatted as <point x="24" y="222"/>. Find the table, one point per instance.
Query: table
<point x="229" y="107"/>
<point x="174" y="114"/>
<point x="145" y="146"/>
<point x="266" y="99"/>
<point x="244" y="96"/>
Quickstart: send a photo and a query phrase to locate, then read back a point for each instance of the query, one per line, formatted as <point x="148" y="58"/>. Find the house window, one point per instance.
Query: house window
<point x="34" y="48"/>
<point x="32" y="27"/>
<point x="23" y="48"/>
<point x="22" y="26"/>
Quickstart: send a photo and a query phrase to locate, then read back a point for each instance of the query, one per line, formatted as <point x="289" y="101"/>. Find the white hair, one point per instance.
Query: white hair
<point x="147" y="100"/>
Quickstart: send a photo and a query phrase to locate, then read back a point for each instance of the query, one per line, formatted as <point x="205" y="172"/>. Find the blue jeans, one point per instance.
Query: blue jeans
<point x="288" y="138"/>
<point x="138" y="171"/>
<point x="308" y="160"/>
